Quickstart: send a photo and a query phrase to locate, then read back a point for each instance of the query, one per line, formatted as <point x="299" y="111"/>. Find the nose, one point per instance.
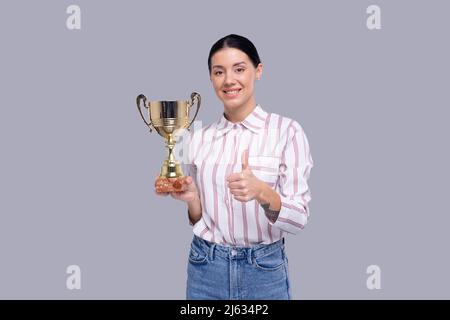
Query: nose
<point x="229" y="79"/>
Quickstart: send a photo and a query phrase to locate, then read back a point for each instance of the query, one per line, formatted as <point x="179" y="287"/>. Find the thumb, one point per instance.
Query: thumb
<point x="245" y="160"/>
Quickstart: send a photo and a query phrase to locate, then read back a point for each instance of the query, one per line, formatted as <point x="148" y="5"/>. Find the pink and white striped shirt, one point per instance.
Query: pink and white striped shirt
<point x="278" y="154"/>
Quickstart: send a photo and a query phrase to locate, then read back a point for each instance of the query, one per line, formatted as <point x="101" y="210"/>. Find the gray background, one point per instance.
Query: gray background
<point x="77" y="164"/>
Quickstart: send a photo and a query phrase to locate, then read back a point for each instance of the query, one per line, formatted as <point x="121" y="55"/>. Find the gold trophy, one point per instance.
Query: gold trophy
<point x="169" y="118"/>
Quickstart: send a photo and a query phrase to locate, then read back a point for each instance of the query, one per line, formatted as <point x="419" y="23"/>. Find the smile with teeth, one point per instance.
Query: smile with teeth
<point x="232" y="92"/>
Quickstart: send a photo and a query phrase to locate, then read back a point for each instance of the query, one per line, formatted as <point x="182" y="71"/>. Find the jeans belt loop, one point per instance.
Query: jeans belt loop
<point x="211" y="251"/>
<point x="250" y="256"/>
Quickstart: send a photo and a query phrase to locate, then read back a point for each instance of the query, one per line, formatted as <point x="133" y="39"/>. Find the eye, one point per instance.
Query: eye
<point x="240" y="70"/>
<point x="217" y="73"/>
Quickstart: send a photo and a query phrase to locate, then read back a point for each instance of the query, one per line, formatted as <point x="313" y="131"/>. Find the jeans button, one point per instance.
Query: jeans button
<point x="233" y="253"/>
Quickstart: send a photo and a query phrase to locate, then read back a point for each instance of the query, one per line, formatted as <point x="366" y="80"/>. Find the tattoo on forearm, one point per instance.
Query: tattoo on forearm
<point x="272" y="215"/>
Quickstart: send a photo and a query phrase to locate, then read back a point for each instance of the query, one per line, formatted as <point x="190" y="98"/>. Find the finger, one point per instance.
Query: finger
<point x="236" y="185"/>
<point x="235" y="177"/>
<point x="239" y="192"/>
<point x="245" y="159"/>
<point x="174" y="195"/>
<point x="241" y="198"/>
<point x="188" y="180"/>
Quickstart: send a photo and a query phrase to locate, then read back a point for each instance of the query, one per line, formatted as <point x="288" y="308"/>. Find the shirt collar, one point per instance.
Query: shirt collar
<point x="255" y="121"/>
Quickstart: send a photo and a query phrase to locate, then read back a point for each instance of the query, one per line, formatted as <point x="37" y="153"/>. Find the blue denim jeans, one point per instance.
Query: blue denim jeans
<point x="217" y="272"/>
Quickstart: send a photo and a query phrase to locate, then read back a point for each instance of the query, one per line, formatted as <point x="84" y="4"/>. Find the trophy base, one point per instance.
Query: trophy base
<point x="164" y="184"/>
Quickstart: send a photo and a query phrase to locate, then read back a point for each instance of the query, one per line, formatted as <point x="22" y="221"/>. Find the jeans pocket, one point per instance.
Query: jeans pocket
<point x="197" y="256"/>
<point x="272" y="261"/>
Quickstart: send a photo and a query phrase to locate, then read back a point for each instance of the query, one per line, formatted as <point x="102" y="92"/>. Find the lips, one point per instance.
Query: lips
<point x="232" y="92"/>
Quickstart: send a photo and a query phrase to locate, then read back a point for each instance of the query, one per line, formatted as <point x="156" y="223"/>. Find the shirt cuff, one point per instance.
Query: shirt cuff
<point x="292" y="217"/>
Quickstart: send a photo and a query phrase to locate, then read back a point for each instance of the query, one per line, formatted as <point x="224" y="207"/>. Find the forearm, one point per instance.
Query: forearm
<point x="194" y="210"/>
<point x="270" y="200"/>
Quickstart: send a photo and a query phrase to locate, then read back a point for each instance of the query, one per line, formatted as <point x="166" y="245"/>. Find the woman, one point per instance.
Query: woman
<point x="247" y="186"/>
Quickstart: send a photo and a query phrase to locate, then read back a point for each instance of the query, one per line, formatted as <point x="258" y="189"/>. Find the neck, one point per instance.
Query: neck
<point x="240" y="113"/>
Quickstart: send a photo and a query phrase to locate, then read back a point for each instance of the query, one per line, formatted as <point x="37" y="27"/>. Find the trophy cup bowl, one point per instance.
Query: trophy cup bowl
<point x="169" y="119"/>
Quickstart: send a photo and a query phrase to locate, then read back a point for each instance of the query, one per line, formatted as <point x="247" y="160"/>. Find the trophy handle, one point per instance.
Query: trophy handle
<point x="194" y="96"/>
<point x="138" y="103"/>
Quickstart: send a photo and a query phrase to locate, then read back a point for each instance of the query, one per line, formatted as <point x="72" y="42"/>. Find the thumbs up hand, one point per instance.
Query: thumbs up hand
<point x="244" y="185"/>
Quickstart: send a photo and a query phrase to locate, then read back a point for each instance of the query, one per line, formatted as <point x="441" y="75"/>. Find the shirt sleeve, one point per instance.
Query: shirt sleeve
<point x="295" y="167"/>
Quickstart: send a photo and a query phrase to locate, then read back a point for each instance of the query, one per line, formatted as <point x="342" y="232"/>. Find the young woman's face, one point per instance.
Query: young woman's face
<point x="233" y="76"/>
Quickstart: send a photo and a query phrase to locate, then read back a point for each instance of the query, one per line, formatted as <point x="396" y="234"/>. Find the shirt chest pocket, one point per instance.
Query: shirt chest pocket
<point x="265" y="168"/>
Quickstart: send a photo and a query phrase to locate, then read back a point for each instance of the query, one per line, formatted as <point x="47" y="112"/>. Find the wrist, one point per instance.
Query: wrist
<point x="268" y="196"/>
<point x="196" y="199"/>
<point x="262" y="196"/>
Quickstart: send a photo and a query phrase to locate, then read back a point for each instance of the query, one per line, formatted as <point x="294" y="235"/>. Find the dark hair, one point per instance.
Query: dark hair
<point x="237" y="42"/>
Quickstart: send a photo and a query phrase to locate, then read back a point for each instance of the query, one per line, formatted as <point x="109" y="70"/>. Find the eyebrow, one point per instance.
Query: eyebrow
<point x="234" y="65"/>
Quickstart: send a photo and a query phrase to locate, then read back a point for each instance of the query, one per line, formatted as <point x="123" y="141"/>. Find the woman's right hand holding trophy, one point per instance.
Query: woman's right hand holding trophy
<point x="189" y="195"/>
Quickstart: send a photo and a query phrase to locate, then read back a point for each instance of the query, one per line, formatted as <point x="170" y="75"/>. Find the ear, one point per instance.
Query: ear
<point x="259" y="71"/>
